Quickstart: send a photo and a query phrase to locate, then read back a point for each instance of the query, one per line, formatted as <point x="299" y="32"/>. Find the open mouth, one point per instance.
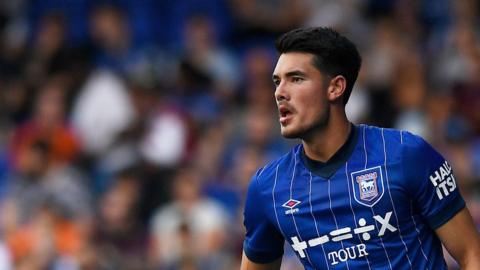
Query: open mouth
<point x="285" y="114"/>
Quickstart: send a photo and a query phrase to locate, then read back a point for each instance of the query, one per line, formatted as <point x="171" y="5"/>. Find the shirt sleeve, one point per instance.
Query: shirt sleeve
<point x="263" y="242"/>
<point x="431" y="181"/>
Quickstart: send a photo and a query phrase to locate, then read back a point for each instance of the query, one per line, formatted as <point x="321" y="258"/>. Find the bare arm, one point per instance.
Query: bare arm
<point x="249" y="265"/>
<point x="462" y="240"/>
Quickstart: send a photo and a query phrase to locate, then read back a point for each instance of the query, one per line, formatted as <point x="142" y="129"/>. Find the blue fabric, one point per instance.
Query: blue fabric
<point x="379" y="210"/>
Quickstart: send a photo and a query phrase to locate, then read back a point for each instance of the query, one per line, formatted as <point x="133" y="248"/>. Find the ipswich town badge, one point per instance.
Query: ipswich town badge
<point x="368" y="186"/>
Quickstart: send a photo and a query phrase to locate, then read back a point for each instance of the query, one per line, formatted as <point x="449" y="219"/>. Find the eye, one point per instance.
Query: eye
<point x="276" y="82"/>
<point x="297" y="79"/>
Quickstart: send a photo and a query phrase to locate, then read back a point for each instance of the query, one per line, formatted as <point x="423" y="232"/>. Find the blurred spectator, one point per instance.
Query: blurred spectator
<point x="257" y="85"/>
<point x="110" y="32"/>
<point x="47" y="238"/>
<point x="37" y="180"/>
<point x="116" y="49"/>
<point x="344" y="15"/>
<point x="208" y="72"/>
<point x="120" y="239"/>
<point x="102" y="110"/>
<point x="208" y="154"/>
<point x="203" y="53"/>
<point x="48" y="52"/>
<point x="191" y="227"/>
<point x="256" y="127"/>
<point x="15" y="101"/>
<point x="379" y="63"/>
<point x="166" y="140"/>
<point x="49" y="124"/>
<point x="359" y="104"/>
<point x="256" y="19"/>
<point x="409" y="90"/>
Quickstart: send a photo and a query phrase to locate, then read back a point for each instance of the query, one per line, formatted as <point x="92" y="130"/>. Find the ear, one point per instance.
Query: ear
<point x="336" y="88"/>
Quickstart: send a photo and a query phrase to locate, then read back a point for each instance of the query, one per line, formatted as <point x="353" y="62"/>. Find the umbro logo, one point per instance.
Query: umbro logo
<point x="290" y="204"/>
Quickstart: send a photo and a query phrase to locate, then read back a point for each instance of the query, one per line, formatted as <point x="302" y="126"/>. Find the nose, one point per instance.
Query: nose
<point x="281" y="92"/>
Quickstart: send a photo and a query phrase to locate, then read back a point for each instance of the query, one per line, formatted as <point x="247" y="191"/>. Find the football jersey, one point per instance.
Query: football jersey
<point x="374" y="205"/>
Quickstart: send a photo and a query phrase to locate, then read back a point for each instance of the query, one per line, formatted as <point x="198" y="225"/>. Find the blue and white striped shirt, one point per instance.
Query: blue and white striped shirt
<point x="374" y="205"/>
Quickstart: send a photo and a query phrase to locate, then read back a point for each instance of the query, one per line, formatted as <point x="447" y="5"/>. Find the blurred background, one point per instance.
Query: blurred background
<point x="129" y="130"/>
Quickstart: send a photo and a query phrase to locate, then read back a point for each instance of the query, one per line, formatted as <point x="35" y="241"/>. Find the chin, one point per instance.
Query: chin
<point x="290" y="133"/>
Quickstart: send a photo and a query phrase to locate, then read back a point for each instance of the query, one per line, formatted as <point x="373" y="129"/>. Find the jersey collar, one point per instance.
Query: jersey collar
<point x="328" y="168"/>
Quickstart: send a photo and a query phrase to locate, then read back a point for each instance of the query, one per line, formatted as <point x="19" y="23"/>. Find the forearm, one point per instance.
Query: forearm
<point x="471" y="260"/>
<point x="462" y="240"/>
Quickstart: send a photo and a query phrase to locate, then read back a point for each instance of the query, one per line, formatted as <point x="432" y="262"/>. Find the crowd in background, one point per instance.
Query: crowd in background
<point x="129" y="130"/>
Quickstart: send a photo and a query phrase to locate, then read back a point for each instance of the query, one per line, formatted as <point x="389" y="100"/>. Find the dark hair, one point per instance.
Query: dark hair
<point x="334" y="53"/>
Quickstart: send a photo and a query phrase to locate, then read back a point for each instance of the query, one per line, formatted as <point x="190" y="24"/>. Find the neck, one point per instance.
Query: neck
<point x="321" y="145"/>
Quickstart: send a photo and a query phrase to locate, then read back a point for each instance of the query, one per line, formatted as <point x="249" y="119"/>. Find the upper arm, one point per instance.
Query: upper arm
<point x="263" y="241"/>
<point x="430" y="181"/>
<point x="247" y="264"/>
<point x="461" y="239"/>
<point x="432" y="184"/>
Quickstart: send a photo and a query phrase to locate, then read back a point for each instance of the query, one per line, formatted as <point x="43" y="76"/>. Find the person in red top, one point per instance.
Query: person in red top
<point x="47" y="124"/>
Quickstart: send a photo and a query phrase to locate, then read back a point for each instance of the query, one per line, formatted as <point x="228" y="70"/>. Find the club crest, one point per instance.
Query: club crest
<point x="368" y="186"/>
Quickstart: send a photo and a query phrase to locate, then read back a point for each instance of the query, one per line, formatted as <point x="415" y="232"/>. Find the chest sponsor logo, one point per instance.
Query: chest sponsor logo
<point x="290" y="204"/>
<point x="368" y="186"/>
<point x="364" y="230"/>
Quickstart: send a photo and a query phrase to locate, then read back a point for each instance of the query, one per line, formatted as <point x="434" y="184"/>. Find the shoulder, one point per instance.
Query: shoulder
<point x="387" y="134"/>
<point x="399" y="145"/>
<point x="413" y="149"/>
<point x="414" y="145"/>
<point x="399" y="138"/>
<point x="266" y="176"/>
<point x="282" y="163"/>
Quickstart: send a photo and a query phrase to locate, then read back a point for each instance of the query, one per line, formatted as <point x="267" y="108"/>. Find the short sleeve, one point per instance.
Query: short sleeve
<point x="431" y="181"/>
<point x="263" y="242"/>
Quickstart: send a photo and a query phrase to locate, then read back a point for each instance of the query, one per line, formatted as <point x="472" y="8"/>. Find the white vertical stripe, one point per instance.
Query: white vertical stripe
<point x="351" y="208"/>
<point x="391" y="200"/>
<point x="293" y="216"/>
<point x="371" y="208"/>
<point x="418" y="232"/>
<point x="333" y="214"/>
<point x="364" y="148"/>
<point x="314" y="220"/>
<point x="261" y="171"/>
<point x="273" y="198"/>
<point x="413" y="218"/>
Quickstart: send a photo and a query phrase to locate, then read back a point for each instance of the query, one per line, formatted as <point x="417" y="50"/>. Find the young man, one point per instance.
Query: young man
<point x="349" y="197"/>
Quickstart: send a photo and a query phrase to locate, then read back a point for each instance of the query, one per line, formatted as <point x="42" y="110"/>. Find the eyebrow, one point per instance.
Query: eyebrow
<point x="290" y="74"/>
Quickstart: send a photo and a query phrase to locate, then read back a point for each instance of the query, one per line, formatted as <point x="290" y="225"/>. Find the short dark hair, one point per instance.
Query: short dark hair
<point x="334" y="53"/>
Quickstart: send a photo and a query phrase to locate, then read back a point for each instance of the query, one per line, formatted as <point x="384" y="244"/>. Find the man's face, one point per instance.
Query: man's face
<point x="301" y="95"/>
